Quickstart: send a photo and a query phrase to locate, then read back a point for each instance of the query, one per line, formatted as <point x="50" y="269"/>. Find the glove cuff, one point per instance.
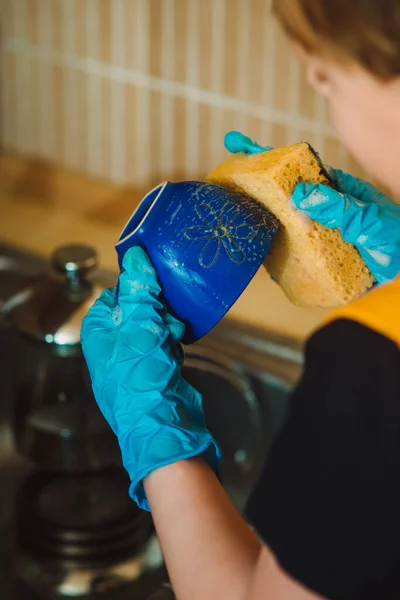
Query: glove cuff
<point x="166" y="445"/>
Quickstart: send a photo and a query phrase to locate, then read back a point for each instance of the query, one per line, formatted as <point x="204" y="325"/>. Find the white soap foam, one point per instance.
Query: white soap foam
<point x="379" y="257"/>
<point x="152" y="328"/>
<point x="175" y="213"/>
<point x="316" y="198"/>
<point x="362" y="239"/>
<point x="116" y="316"/>
<point x="145" y="269"/>
<point x="141" y="267"/>
<point x="135" y="286"/>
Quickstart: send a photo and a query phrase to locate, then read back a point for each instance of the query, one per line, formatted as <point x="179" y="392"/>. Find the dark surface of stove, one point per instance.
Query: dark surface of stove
<point x="231" y="361"/>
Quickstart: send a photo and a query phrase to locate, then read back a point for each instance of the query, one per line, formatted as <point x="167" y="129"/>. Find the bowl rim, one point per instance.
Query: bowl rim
<point x="161" y="187"/>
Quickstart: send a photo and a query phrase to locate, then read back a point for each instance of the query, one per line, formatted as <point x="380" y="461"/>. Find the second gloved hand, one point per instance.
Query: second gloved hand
<point x="127" y="342"/>
<point x="365" y="217"/>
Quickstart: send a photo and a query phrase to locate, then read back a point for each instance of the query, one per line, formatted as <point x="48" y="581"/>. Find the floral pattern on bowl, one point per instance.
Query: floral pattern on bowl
<point x="220" y="231"/>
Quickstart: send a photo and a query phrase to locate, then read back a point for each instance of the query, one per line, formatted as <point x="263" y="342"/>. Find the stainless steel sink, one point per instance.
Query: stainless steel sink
<point x="234" y="359"/>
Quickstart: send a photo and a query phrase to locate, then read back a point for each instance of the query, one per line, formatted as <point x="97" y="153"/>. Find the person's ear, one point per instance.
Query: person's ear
<point x="316" y="70"/>
<point x="317" y="77"/>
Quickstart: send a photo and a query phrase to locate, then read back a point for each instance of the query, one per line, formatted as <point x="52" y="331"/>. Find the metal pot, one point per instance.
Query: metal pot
<point x="57" y="423"/>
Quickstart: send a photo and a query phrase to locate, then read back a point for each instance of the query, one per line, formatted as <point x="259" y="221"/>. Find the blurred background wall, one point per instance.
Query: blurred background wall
<point x="135" y="91"/>
<point x="130" y="92"/>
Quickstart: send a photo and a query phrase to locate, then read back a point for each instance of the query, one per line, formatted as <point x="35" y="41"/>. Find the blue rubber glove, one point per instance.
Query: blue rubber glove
<point x="127" y="342"/>
<point x="237" y="142"/>
<point x="365" y="217"/>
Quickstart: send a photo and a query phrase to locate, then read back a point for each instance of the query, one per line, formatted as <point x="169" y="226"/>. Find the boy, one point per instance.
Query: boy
<point x="328" y="503"/>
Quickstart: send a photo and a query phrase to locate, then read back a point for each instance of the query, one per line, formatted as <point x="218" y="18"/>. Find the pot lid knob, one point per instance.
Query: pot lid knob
<point x="74" y="261"/>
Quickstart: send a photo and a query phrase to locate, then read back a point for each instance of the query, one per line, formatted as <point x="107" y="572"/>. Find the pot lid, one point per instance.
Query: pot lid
<point x="51" y="306"/>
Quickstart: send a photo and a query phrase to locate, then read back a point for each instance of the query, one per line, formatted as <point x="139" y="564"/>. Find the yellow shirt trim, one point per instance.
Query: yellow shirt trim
<point x="379" y="310"/>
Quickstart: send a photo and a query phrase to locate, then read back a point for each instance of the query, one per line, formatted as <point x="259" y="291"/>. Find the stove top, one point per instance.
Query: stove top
<point x="58" y="533"/>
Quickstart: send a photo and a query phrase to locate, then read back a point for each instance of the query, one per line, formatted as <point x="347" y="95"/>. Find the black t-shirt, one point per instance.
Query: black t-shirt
<point x="328" y="501"/>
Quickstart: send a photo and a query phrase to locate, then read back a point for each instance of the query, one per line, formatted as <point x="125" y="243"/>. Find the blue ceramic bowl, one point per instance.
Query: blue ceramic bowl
<point x="206" y="243"/>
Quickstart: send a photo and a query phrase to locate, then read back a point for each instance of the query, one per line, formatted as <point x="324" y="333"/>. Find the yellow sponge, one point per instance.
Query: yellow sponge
<point x="312" y="264"/>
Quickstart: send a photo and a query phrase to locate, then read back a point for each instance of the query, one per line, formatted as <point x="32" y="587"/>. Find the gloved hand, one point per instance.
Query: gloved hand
<point x="127" y="339"/>
<point x="365" y="216"/>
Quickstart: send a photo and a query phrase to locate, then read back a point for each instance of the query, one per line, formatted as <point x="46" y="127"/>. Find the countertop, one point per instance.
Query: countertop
<point x="42" y="207"/>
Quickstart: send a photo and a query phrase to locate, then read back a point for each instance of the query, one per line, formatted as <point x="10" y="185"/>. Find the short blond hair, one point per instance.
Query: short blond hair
<point x="365" y="31"/>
